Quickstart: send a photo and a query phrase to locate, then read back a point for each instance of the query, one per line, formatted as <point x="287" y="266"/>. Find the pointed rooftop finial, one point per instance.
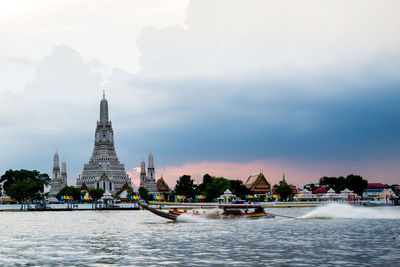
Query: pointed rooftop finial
<point x="104" y="108"/>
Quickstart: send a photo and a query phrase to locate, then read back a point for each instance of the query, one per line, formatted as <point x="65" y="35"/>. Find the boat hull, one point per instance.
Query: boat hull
<point x="174" y="214"/>
<point x="160" y="213"/>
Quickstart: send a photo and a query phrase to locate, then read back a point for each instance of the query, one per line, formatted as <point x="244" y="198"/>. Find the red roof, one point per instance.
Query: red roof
<point x="320" y="190"/>
<point x="373" y="185"/>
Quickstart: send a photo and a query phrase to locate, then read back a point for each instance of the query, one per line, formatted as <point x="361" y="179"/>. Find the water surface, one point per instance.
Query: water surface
<point x="325" y="237"/>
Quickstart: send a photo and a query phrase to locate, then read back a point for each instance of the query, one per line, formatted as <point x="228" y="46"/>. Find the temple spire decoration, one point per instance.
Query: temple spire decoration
<point x="64" y="172"/>
<point x="142" y="173"/>
<point x="104" y="109"/>
<point x="150" y="170"/>
<point x="56" y="166"/>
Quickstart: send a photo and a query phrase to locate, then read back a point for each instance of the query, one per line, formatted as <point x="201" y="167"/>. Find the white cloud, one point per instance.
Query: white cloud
<point x="273" y="38"/>
<point x="96" y="29"/>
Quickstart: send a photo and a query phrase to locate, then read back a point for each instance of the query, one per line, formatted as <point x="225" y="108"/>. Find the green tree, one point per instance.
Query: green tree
<point x="329" y="181"/>
<point x="185" y="186"/>
<point x="238" y="188"/>
<point x="356" y="183"/>
<point x="143" y="193"/>
<point x="312" y="187"/>
<point x="212" y="187"/>
<point x="22" y="185"/>
<point x="207" y="179"/>
<point x="69" y="191"/>
<point x="96" y="193"/>
<point x="216" y="188"/>
<point x="336" y="183"/>
<point x="284" y="190"/>
<point x="353" y="182"/>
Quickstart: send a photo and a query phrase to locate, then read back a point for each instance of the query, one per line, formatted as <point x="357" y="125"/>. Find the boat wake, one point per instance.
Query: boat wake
<point x="345" y="211"/>
<point x="191" y="219"/>
<point x="188" y="217"/>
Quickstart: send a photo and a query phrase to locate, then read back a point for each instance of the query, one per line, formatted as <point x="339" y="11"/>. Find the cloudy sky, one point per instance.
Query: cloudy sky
<point x="227" y="87"/>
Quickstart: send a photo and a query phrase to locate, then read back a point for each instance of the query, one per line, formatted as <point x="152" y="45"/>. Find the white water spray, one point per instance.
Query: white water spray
<point x="345" y="211"/>
<point x="189" y="217"/>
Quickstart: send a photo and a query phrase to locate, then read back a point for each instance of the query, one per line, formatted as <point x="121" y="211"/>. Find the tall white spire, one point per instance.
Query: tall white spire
<point x="63" y="167"/>
<point x="151" y="161"/>
<point x="142" y="173"/>
<point x="56" y="166"/>
<point x="104" y="109"/>
<point x="143" y="167"/>
<point x="64" y="172"/>
<point x="151" y="174"/>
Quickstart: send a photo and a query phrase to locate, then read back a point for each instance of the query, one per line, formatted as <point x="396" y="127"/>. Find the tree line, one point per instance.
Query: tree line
<point x="211" y="187"/>
<point x="354" y="182"/>
<point x="24" y="185"/>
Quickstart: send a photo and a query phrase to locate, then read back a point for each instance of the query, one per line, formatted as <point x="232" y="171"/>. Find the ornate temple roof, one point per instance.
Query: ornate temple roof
<point x="84" y="187"/>
<point x="258" y="183"/>
<point x="162" y="186"/>
<point x="125" y="187"/>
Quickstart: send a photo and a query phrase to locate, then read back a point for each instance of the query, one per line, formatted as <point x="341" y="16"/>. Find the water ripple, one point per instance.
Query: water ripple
<point x="132" y="238"/>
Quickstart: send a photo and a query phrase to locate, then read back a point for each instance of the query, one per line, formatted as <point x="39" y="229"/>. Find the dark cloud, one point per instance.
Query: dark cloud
<point x="245" y="121"/>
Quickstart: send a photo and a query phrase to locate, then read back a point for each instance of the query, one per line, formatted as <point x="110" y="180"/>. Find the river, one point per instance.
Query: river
<point x="339" y="235"/>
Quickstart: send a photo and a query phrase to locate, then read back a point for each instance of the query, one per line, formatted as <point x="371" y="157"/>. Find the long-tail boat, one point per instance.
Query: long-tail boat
<point x="228" y="211"/>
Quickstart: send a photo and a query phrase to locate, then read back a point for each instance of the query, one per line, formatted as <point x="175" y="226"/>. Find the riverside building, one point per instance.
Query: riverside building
<point x="104" y="169"/>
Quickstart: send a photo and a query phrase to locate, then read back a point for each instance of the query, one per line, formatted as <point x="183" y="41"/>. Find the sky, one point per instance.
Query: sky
<point x="308" y="88"/>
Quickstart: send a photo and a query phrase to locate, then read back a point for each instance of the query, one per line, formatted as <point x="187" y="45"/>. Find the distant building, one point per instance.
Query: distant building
<point x="148" y="180"/>
<point x="104" y="169"/>
<point x="377" y="190"/>
<point x="123" y="192"/>
<point x="258" y="184"/>
<point x="59" y="180"/>
<point x="320" y="191"/>
<point x="312" y="186"/>
<point x="162" y="186"/>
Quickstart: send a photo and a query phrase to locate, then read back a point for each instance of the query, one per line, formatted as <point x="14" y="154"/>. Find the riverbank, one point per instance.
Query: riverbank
<point x="171" y="205"/>
<point x="66" y="207"/>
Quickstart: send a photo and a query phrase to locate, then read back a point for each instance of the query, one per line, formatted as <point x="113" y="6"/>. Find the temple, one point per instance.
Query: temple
<point x="162" y="186"/>
<point x="258" y="184"/>
<point x="58" y="180"/>
<point x="104" y="169"/>
<point x="149" y="181"/>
